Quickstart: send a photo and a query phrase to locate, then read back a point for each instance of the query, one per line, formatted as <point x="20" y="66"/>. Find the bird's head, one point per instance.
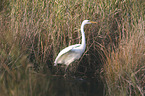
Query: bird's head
<point x="88" y="22"/>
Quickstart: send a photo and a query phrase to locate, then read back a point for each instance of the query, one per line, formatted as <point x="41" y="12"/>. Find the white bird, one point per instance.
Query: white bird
<point x="73" y="52"/>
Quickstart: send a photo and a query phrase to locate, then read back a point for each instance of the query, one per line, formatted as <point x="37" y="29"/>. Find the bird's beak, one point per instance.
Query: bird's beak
<point x="93" y="22"/>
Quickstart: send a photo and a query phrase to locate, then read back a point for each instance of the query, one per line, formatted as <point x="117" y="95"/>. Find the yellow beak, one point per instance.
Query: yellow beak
<point x="93" y="22"/>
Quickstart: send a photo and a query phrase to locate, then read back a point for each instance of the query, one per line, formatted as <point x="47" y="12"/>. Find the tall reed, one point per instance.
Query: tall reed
<point x="34" y="31"/>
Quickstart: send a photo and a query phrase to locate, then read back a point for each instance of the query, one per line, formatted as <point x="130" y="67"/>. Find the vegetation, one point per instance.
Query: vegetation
<point x="124" y="69"/>
<point x="34" y="31"/>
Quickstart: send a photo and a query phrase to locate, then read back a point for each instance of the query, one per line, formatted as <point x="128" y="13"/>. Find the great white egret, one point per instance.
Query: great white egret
<point x="73" y="52"/>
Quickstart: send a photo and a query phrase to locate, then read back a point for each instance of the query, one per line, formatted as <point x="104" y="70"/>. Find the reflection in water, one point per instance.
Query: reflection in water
<point x="76" y="87"/>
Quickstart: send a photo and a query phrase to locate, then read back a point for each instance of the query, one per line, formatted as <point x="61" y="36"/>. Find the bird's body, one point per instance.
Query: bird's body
<point x="67" y="53"/>
<point x="73" y="52"/>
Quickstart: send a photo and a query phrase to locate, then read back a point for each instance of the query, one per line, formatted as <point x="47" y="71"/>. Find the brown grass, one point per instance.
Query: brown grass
<point x="125" y="66"/>
<point x="33" y="32"/>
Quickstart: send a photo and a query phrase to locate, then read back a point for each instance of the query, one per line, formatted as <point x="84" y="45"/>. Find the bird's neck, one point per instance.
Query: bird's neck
<point x="83" y="37"/>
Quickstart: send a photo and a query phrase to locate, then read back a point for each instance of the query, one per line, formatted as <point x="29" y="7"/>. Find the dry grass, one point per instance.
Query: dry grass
<point x="125" y="66"/>
<point x="33" y="32"/>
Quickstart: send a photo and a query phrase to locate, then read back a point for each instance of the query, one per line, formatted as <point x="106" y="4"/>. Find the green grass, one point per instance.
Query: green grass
<point x="34" y="31"/>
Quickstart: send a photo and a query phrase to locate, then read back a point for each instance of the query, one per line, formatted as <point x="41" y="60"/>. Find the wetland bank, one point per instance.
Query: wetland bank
<point x="34" y="31"/>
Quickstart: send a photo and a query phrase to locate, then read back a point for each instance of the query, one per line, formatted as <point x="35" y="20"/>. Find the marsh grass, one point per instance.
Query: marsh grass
<point x="125" y="66"/>
<point x="34" y="31"/>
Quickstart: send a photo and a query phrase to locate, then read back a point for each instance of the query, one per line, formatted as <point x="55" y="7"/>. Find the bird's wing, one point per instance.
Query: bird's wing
<point x="65" y="50"/>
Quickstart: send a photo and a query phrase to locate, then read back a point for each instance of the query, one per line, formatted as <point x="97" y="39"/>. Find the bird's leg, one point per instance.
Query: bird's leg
<point x="66" y="69"/>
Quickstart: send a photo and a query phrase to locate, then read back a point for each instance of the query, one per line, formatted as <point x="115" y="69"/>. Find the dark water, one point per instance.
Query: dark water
<point x="72" y="86"/>
<point x="82" y="81"/>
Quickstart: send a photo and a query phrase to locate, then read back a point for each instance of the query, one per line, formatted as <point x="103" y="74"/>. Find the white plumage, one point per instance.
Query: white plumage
<point x="73" y="52"/>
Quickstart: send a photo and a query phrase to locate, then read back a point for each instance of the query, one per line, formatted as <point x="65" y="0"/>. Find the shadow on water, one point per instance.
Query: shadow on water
<point x="70" y="86"/>
<point x="82" y="79"/>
